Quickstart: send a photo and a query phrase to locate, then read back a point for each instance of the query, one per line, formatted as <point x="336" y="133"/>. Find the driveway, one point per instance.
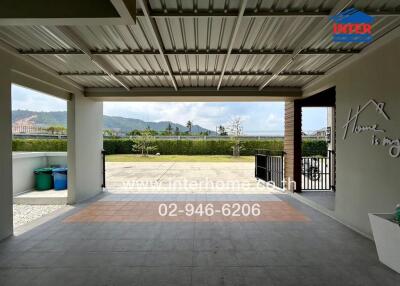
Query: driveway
<point x="182" y="177"/>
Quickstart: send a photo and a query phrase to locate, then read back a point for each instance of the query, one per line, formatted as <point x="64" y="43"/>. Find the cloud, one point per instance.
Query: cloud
<point x="314" y="118"/>
<point x="204" y="114"/>
<point x="25" y="98"/>
<point x="273" y="121"/>
<point x="259" y="118"/>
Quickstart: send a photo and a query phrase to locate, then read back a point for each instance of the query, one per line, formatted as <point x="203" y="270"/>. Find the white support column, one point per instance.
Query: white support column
<point x="85" y="142"/>
<point x="6" y="196"/>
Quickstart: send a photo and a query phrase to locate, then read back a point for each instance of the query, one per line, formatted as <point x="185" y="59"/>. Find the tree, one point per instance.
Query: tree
<point x="137" y="132"/>
<point x="189" y="125"/>
<point x="177" y="131"/>
<point x="222" y="131"/>
<point x="169" y="129"/>
<point x="109" y="133"/>
<point x="236" y="130"/>
<point x="56" y="129"/>
<point x="152" y="132"/>
<point x="134" y="132"/>
<point x="145" y="143"/>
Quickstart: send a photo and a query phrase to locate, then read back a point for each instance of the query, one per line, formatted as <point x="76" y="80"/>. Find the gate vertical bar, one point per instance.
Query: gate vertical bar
<point x="103" y="154"/>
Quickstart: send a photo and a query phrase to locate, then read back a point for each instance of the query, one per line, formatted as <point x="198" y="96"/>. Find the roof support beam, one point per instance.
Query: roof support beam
<point x="285" y="61"/>
<point x="97" y="60"/>
<point x="232" y="40"/>
<point x="29" y="65"/>
<point x="295" y="73"/>
<point x="157" y="37"/>
<point x="194" y="52"/>
<point x="126" y="9"/>
<point x="82" y="12"/>
<point x="71" y="12"/>
<point x="193" y="94"/>
<point x="263" y="13"/>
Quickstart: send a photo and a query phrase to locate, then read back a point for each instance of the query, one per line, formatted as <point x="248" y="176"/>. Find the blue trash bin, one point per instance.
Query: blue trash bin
<point x="60" y="178"/>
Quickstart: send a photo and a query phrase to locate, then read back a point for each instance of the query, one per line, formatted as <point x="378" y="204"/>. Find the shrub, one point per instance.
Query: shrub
<point x="117" y="146"/>
<point x="32" y="145"/>
<point x="175" y="147"/>
<point x="192" y="147"/>
<point x="314" y="148"/>
<point x="145" y="143"/>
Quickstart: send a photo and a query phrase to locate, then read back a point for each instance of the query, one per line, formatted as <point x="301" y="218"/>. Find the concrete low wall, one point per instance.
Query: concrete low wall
<point x="25" y="162"/>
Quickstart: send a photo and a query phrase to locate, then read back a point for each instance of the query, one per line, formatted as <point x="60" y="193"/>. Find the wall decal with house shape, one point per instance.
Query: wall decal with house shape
<point x="356" y="128"/>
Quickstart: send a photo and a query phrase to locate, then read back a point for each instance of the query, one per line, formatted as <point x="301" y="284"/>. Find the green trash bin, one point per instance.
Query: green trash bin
<point x="43" y="179"/>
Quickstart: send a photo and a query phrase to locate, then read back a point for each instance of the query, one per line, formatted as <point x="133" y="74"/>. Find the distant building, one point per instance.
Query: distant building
<point x="26" y="129"/>
<point x="320" y="133"/>
<point x="29" y="126"/>
<point x="26" y="126"/>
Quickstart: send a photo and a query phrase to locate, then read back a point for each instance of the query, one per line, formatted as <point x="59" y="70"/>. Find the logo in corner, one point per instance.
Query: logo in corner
<point x="352" y="26"/>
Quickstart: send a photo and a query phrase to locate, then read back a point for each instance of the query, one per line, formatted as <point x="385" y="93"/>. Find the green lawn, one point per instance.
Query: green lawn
<point x="178" y="158"/>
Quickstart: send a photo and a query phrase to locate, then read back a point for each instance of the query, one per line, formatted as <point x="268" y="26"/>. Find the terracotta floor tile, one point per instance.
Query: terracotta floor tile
<point x="145" y="211"/>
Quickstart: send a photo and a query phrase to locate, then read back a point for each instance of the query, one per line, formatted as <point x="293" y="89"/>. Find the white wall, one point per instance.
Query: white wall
<point x="25" y="162"/>
<point x="368" y="179"/>
<point x="57" y="159"/>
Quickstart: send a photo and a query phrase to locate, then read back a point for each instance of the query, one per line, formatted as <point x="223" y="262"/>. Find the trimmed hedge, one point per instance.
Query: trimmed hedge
<point x="314" y="148"/>
<point x="174" y="147"/>
<point x="32" y="145"/>
<point x="192" y="147"/>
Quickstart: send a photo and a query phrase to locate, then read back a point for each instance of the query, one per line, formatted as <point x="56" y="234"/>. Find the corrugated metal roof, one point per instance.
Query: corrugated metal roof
<point x="68" y="63"/>
<point x="135" y="37"/>
<point x="136" y="63"/>
<point x="315" y="63"/>
<point x="94" y="81"/>
<point x="35" y="37"/>
<point x="292" y="81"/>
<point x="210" y="35"/>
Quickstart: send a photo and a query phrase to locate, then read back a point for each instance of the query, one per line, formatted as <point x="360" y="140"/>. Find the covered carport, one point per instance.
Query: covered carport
<point x="206" y="51"/>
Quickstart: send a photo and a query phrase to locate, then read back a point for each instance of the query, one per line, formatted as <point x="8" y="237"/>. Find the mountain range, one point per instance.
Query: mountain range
<point x="122" y="124"/>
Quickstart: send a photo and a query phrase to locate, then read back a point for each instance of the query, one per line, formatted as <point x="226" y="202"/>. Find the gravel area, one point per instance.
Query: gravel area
<point x="24" y="214"/>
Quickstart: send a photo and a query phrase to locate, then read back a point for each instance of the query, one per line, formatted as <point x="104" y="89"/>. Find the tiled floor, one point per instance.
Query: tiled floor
<point x="318" y="251"/>
<point x="325" y="199"/>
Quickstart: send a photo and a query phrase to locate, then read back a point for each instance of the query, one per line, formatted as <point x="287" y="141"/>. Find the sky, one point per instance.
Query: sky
<point x="259" y="118"/>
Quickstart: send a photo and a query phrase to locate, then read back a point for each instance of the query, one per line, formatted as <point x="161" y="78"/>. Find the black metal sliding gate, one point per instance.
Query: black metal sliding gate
<point x="103" y="162"/>
<point x="317" y="172"/>
<point x="269" y="166"/>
